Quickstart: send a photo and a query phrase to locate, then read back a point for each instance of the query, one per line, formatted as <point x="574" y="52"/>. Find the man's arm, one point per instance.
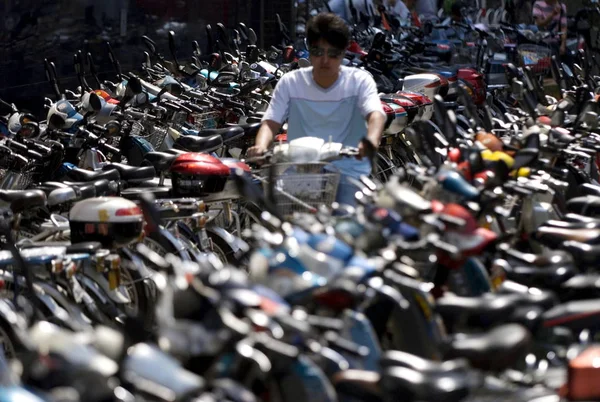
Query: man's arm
<point x="273" y="119"/>
<point x="267" y="131"/>
<point x="375" y="126"/>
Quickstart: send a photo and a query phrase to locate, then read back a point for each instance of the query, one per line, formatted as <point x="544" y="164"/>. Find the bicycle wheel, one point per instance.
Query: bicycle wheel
<point x="384" y="168"/>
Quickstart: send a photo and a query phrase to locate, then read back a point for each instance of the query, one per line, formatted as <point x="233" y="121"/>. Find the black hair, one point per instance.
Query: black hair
<point x="329" y="27"/>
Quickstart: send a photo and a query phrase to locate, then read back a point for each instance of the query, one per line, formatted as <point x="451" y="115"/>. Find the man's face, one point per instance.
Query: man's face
<point x="326" y="59"/>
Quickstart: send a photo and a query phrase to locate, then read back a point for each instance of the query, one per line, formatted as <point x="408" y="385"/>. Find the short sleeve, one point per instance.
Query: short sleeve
<point x="368" y="98"/>
<point x="280" y="101"/>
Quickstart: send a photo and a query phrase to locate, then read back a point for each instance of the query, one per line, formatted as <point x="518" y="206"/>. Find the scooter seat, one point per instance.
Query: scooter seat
<point x="396" y="358"/>
<point x="22" y="200"/>
<point x="406" y="384"/>
<point x="575" y="315"/>
<point x="585" y="205"/>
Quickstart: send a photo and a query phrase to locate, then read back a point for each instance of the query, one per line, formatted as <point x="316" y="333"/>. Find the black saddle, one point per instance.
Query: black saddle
<point x="228" y="134"/>
<point x="77" y="174"/>
<point x="585" y="205"/>
<point x="589" y="189"/>
<point x="396" y="358"/>
<point x="132" y="173"/>
<point x="22" y="200"/>
<point x="553" y="236"/>
<point x="101" y="187"/>
<point x="406" y="384"/>
<point x="495" y="350"/>
<point x="584" y="255"/>
<point x="192" y="143"/>
<point x="482" y="311"/>
<point x="161" y="161"/>
<point x="575" y="315"/>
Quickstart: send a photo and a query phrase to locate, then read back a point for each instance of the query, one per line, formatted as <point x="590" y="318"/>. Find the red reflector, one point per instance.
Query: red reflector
<point x="443" y="47"/>
<point x="128" y="211"/>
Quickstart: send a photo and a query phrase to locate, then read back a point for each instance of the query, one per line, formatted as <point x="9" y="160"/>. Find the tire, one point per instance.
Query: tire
<point x="384" y="168"/>
<point x="222" y="249"/>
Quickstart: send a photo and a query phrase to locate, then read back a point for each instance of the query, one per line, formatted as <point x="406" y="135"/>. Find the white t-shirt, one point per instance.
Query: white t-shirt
<point x="337" y="112"/>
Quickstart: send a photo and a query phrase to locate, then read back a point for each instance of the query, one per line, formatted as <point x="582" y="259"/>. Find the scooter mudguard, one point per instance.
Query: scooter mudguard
<point x="471" y="279"/>
<point x="455" y="183"/>
<point x="307" y="383"/>
<point x="359" y="330"/>
<point x="330" y="245"/>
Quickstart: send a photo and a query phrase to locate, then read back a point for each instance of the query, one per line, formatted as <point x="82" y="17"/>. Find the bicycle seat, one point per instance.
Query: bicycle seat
<point x="396" y="358"/>
<point x="486" y="309"/>
<point x="585" y="205"/>
<point x="192" y="143"/>
<point x="250" y="129"/>
<point x="553" y="237"/>
<point x="21" y="200"/>
<point x="589" y="189"/>
<point x="77" y="174"/>
<point x="581" y="287"/>
<point x="160" y="160"/>
<point x="529" y="296"/>
<point x="102" y="186"/>
<point x="66" y="194"/>
<point x="584" y="255"/>
<point x="228" y="133"/>
<point x="407" y="384"/>
<point x="540" y="260"/>
<point x="132" y="173"/>
<point x="495" y="350"/>
<point x="254" y="119"/>
<point x="575" y="315"/>
<point x="571" y="217"/>
<point x="543" y="273"/>
<point x="88" y="247"/>
<point x="360" y="384"/>
<point x="572" y="224"/>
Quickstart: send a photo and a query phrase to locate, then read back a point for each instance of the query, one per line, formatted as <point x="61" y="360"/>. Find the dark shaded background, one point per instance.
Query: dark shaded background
<point x="31" y="30"/>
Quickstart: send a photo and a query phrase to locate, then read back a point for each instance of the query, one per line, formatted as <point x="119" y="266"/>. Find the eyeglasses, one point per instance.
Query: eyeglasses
<point x="331" y="52"/>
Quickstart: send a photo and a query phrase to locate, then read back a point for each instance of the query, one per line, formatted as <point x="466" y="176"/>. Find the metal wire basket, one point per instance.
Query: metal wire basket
<point x="150" y="131"/>
<point x="204" y="120"/>
<point x="302" y="187"/>
<point x="13" y="180"/>
<point x="537" y="57"/>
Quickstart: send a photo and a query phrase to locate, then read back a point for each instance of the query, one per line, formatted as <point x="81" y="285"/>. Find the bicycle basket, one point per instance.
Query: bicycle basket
<point x="302" y="187"/>
<point x="537" y="57"/>
<point x="205" y="120"/>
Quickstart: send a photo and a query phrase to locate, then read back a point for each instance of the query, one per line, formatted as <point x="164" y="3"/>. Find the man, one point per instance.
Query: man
<point x="327" y="100"/>
<point x="551" y="16"/>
